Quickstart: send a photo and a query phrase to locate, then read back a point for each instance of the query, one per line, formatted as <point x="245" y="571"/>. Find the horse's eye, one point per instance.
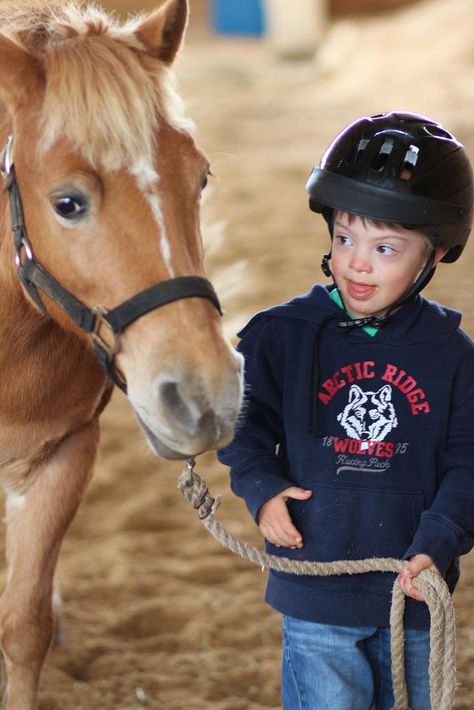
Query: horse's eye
<point x="205" y="178"/>
<point x="70" y="207"/>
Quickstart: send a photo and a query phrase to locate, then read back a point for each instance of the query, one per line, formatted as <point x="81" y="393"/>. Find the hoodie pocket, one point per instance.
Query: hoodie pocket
<point x="353" y="523"/>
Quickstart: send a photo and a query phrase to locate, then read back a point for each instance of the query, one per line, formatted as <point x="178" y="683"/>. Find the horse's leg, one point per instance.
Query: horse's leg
<point x="36" y="524"/>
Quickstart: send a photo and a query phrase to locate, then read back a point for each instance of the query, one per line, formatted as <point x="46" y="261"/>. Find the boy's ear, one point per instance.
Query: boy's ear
<point x="439" y="253"/>
<point x="22" y="74"/>
<point x="163" y="30"/>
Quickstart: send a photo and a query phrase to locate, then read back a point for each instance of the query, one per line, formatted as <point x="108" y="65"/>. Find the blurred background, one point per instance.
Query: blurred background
<point x="156" y="614"/>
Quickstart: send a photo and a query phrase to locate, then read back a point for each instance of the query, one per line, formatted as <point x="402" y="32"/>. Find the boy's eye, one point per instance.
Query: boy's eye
<point x="385" y="249"/>
<point x="343" y="240"/>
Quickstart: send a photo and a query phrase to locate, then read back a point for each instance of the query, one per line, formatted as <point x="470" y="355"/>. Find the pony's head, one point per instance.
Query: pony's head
<point x="110" y="179"/>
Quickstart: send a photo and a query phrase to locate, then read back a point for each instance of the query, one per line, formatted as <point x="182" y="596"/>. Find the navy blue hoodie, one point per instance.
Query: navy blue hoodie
<point x="380" y="428"/>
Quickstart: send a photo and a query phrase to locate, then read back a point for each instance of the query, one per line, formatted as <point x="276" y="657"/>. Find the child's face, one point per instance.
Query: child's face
<point x="375" y="264"/>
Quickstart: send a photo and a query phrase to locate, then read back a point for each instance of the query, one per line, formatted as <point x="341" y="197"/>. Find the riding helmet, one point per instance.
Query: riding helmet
<point x="401" y="168"/>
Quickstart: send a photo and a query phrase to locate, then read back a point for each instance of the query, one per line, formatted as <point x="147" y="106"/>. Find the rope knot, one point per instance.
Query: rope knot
<point x="194" y="489"/>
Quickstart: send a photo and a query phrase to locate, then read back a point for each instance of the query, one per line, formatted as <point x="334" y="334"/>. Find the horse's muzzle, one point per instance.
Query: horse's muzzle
<point x="185" y="420"/>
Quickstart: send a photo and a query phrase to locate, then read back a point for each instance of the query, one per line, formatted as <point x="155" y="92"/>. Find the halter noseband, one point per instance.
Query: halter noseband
<point x="35" y="278"/>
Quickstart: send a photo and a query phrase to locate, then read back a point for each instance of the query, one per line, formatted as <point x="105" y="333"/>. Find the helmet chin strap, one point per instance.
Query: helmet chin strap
<point x="377" y="321"/>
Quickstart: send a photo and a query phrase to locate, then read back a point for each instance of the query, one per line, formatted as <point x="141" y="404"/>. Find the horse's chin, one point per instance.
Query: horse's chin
<point x="159" y="446"/>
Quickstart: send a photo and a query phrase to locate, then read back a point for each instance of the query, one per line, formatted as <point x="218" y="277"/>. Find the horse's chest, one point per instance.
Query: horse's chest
<point x="21" y="449"/>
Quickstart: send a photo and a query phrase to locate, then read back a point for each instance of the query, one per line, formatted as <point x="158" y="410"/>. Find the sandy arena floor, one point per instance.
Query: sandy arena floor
<point x="155" y="613"/>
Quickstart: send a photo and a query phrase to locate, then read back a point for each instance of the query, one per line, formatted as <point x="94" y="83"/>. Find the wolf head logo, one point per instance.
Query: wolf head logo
<point x="368" y="416"/>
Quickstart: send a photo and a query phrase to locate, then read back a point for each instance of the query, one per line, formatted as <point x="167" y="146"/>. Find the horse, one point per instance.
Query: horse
<point x="102" y="281"/>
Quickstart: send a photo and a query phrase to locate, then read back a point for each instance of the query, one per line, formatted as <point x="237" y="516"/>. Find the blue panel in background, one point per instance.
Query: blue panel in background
<point x="238" y="17"/>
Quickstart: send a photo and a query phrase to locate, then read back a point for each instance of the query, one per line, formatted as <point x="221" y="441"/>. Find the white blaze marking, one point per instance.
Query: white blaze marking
<point x="146" y="178"/>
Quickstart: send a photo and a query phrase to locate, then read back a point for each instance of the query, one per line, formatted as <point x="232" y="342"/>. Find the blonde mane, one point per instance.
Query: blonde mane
<point x="103" y="92"/>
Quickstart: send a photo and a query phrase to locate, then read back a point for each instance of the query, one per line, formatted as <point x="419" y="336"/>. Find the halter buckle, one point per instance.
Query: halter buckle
<point x="6" y="163"/>
<point x="23" y="246"/>
<point x="101" y="321"/>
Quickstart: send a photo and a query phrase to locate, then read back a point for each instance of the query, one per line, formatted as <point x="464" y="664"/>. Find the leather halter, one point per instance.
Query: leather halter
<point x="36" y="278"/>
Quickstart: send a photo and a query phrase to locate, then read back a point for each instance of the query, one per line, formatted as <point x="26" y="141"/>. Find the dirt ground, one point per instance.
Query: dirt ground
<point x="155" y="613"/>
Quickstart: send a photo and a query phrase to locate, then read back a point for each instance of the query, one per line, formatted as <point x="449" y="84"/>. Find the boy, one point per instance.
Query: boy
<point x="357" y="439"/>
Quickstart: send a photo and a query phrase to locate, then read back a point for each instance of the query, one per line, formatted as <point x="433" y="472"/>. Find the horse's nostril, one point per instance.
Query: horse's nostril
<point x="208" y="423"/>
<point x="187" y="412"/>
<point x="170" y="394"/>
<point x="172" y="400"/>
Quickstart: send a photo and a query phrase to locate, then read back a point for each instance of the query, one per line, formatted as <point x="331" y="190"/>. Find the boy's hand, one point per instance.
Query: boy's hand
<point x="413" y="568"/>
<point x="275" y="522"/>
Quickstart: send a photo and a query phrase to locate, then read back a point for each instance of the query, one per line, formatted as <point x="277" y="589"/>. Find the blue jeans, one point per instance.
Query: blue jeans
<point x="348" y="668"/>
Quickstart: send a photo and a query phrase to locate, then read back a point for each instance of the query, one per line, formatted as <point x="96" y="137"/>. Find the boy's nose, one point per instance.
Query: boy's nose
<point x="360" y="262"/>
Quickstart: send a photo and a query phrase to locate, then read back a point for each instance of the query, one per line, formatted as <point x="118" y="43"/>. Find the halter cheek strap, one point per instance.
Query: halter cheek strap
<point x="35" y="279"/>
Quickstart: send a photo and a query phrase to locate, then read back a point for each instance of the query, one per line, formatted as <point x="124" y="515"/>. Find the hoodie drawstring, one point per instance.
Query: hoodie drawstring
<point x="315" y="376"/>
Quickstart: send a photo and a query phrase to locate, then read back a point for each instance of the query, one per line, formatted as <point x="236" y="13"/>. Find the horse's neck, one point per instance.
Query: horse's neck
<point x="20" y="324"/>
<point x="50" y="386"/>
<point x="30" y="340"/>
<point x="40" y="363"/>
<point x="23" y="328"/>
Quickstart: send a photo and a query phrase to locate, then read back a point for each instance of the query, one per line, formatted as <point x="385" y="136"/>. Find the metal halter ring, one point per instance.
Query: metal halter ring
<point x="100" y="320"/>
<point x="25" y="246"/>
<point x="6" y="163"/>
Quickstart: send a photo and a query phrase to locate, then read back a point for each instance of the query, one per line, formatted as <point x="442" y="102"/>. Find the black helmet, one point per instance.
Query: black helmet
<point x="402" y="168"/>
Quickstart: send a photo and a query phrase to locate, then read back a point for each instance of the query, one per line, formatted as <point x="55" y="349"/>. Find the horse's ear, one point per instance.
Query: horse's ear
<point x="162" y="31"/>
<point x="20" y="75"/>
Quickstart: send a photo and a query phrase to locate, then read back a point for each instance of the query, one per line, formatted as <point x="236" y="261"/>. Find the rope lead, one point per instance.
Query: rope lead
<point x="432" y="586"/>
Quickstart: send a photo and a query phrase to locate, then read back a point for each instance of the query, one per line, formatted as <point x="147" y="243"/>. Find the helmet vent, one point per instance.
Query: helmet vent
<point x="382" y="156"/>
<point x="361" y="146"/>
<point x="409" y="162"/>
<point x="437" y="132"/>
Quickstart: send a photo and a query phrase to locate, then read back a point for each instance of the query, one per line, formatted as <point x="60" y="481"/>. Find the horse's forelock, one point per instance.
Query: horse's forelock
<point x="99" y="97"/>
<point x="103" y="92"/>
